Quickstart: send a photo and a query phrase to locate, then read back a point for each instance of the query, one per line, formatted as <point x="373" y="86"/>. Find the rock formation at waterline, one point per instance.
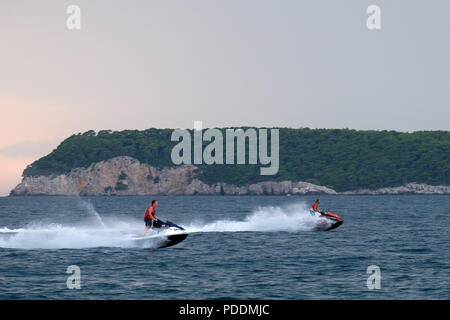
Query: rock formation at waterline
<point x="127" y="176"/>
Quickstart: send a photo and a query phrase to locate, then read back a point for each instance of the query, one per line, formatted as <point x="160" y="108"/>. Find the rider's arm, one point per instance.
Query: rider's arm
<point x="153" y="214"/>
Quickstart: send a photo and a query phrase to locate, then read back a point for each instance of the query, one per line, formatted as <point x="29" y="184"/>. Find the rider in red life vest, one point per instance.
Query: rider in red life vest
<point x="315" y="208"/>
<point x="150" y="217"/>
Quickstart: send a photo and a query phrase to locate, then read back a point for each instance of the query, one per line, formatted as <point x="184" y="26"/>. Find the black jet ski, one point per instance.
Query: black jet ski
<point x="173" y="237"/>
<point x="166" y="233"/>
<point x="328" y="221"/>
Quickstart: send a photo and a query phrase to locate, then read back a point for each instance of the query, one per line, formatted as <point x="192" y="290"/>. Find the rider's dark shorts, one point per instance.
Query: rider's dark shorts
<point x="148" y="222"/>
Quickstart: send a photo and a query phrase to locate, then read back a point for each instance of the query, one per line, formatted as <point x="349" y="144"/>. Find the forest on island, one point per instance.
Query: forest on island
<point x="342" y="159"/>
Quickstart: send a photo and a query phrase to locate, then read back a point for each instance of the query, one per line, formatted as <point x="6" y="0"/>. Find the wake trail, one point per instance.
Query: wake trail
<point x="56" y="236"/>
<point x="291" y="218"/>
<point x="120" y="231"/>
<point x="110" y="232"/>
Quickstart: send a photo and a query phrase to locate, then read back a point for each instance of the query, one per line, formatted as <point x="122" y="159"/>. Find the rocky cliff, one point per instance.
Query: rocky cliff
<point x="127" y="176"/>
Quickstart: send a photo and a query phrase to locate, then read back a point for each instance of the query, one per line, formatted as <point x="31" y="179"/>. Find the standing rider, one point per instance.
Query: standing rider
<point x="150" y="217"/>
<point x="315" y="208"/>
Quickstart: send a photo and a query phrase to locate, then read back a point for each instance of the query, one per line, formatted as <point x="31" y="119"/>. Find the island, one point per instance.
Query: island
<point x="311" y="161"/>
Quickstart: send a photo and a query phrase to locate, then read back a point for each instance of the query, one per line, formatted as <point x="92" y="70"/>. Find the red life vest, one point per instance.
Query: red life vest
<point x="148" y="214"/>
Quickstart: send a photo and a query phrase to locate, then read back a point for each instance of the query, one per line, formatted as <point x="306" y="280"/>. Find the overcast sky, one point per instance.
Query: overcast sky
<point x="166" y="63"/>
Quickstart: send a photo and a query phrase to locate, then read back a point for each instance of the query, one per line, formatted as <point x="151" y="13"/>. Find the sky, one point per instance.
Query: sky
<point x="166" y="63"/>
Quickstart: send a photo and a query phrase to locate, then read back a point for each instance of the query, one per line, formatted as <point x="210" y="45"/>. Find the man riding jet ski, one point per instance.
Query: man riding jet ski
<point x="171" y="230"/>
<point x="331" y="221"/>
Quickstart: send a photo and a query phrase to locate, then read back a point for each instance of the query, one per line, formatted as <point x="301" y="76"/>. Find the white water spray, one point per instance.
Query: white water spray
<point x="91" y="211"/>
<point x="291" y="218"/>
<point x="119" y="232"/>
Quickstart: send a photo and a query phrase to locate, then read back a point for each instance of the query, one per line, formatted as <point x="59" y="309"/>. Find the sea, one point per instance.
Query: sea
<point x="239" y="247"/>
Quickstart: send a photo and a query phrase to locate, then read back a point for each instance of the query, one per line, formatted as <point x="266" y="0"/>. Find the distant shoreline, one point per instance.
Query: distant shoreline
<point x="228" y="195"/>
<point x="124" y="176"/>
